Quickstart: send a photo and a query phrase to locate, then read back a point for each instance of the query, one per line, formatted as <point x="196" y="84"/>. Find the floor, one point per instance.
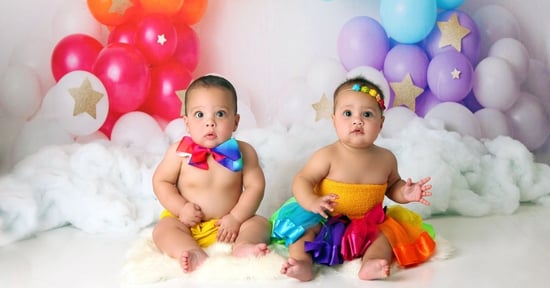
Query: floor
<point x="493" y="251"/>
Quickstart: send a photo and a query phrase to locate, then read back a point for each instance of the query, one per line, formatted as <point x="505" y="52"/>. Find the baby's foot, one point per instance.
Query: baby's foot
<point x="248" y="249"/>
<point x="299" y="269"/>
<point x="374" y="269"/>
<point x="192" y="259"/>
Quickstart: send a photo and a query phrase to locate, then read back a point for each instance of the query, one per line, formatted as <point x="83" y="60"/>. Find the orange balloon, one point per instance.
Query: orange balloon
<point x="113" y="12"/>
<point x="165" y="7"/>
<point x="192" y="11"/>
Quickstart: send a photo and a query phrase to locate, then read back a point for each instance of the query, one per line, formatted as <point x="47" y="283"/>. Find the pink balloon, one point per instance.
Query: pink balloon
<point x="125" y="75"/>
<point x="74" y="52"/>
<point x="187" y="50"/>
<point x="123" y="33"/>
<point x="166" y="79"/>
<point x="529" y="122"/>
<point x="156" y="38"/>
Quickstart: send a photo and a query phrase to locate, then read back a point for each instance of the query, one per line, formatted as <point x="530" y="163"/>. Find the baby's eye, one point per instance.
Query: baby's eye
<point x="347" y="113"/>
<point x="367" y="114"/>
<point x="220" y="114"/>
<point x="199" y="114"/>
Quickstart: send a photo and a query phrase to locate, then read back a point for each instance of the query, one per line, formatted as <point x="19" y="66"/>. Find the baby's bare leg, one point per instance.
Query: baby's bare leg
<point x="299" y="264"/>
<point x="377" y="259"/>
<point x="174" y="239"/>
<point x="253" y="238"/>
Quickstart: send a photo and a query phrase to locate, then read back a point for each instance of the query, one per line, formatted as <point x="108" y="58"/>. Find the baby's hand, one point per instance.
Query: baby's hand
<point x="191" y="214"/>
<point x="228" y="228"/>
<point x="324" y="204"/>
<point x="415" y="192"/>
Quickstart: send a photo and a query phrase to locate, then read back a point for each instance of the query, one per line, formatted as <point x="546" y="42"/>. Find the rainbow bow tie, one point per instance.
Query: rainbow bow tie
<point x="227" y="154"/>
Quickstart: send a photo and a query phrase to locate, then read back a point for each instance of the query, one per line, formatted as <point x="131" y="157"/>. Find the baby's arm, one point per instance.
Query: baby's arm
<point x="164" y="186"/>
<point x="251" y="196"/>
<point x="304" y="182"/>
<point x="406" y="192"/>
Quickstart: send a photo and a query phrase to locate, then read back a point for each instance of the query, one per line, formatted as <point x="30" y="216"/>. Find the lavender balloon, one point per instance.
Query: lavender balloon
<point x="470" y="44"/>
<point x="405" y="59"/>
<point x="450" y="76"/>
<point x="362" y="42"/>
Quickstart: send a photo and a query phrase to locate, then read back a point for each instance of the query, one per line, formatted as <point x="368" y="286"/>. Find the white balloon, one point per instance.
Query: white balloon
<point x="375" y="76"/>
<point x="74" y="17"/>
<point x="36" y="53"/>
<point x="495" y="84"/>
<point x="396" y="119"/>
<point x="294" y="103"/>
<point x="84" y="122"/>
<point x="20" y="91"/>
<point x="492" y="122"/>
<point x="515" y="53"/>
<point x="175" y="129"/>
<point x="538" y="83"/>
<point x="529" y="122"/>
<point x="139" y="130"/>
<point x="455" y="118"/>
<point x="324" y="75"/>
<point x="495" y="22"/>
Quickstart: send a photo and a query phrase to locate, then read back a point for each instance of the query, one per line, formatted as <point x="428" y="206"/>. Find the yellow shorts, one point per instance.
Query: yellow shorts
<point x="204" y="233"/>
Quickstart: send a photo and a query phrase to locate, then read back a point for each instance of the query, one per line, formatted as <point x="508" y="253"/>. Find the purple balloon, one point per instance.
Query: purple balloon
<point x="450" y="76"/>
<point x="471" y="102"/>
<point x="405" y="59"/>
<point x="362" y="42"/>
<point x="425" y="102"/>
<point x="471" y="43"/>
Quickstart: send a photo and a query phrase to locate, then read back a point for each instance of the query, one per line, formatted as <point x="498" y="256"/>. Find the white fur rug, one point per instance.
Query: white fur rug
<point x="145" y="264"/>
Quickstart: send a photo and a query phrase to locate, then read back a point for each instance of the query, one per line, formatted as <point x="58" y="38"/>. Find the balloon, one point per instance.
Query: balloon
<point x="20" y="91"/>
<point x="188" y="47"/>
<point x="450" y="76"/>
<point x="491" y="30"/>
<point x="36" y="54"/>
<point x="529" y="122"/>
<point x="192" y="11"/>
<point x="455" y="117"/>
<point x="81" y="103"/>
<point x="495" y="85"/>
<point x="449" y="4"/>
<point x="405" y="59"/>
<point x="471" y="103"/>
<point x="408" y="21"/>
<point x="425" y="102"/>
<point x="103" y="13"/>
<point x="362" y="42"/>
<point x="492" y="122"/>
<point x="74" y="52"/>
<point x="294" y="103"/>
<point x="139" y="130"/>
<point x="125" y="75"/>
<point x="156" y="38"/>
<point x="515" y="53"/>
<point x="164" y="7"/>
<point x="123" y="33"/>
<point x="166" y="79"/>
<point x="470" y="44"/>
<point x="248" y="119"/>
<point x="397" y="118"/>
<point x="109" y="123"/>
<point x="324" y="75"/>
<point x="73" y="17"/>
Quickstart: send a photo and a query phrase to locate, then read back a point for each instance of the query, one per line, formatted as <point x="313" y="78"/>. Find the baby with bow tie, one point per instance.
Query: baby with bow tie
<point x="209" y="183"/>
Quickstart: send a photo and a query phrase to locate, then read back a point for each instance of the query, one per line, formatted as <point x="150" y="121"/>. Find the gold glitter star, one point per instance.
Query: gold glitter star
<point x="452" y="33"/>
<point x="85" y="98"/>
<point x="161" y="39"/>
<point x="120" y="6"/>
<point x="456" y="73"/>
<point x="181" y="95"/>
<point x="323" y="108"/>
<point x="406" y="92"/>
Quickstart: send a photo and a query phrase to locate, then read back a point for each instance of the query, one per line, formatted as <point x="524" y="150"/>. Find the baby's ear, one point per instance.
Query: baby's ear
<point x="237" y="119"/>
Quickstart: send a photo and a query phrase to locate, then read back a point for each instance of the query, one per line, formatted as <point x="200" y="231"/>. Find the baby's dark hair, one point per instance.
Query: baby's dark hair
<point x="359" y="83"/>
<point x="209" y="81"/>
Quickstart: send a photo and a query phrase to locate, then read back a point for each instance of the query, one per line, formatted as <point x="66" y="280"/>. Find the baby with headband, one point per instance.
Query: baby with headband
<point x="337" y="211"/>
<point x="209" y="183"/>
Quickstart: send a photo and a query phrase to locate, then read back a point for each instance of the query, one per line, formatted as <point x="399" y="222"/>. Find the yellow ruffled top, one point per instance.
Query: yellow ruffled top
<point x="354" y="199"/>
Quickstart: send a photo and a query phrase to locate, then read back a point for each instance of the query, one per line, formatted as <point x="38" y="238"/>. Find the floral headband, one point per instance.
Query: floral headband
<point x="372" y="92"/>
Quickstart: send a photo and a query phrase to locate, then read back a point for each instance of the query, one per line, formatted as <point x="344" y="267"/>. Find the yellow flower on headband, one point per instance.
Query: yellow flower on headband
<point x="370" y="91"/>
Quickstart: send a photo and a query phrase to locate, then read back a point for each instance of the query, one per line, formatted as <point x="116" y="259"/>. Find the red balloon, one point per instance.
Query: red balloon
<point x="125" y="74"/>
<point x="156" y="38"/>
<point x="123" y="33"/>
<point x="74" y="52"/>
<point x="166" y="79"/>
<point x="109" y="123"/>
<point x="187" y="51"/>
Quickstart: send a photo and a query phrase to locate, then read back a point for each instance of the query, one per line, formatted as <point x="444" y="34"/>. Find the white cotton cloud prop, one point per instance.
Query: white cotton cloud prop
<point x="103" y="187"/>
